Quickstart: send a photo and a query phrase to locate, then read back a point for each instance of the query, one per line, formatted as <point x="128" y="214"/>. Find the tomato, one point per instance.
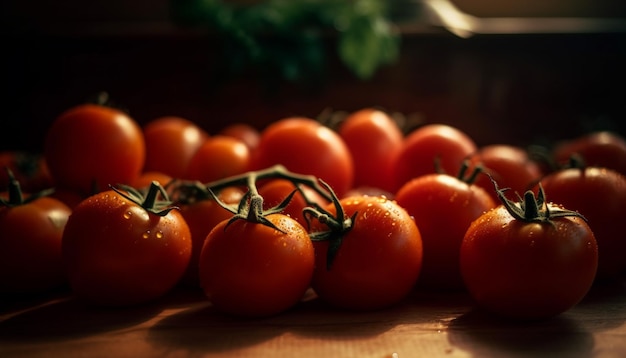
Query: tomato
<point x="275" y="191"/>
<point x="244" y="132"/>
<point x="378" y="260"/>
<point x="443" y="207"/>
<point x="89" y="147"/>
<point x="425" y="146"/>
<point x="219" y="157"/>
<point x="510" y="166"/>
<point x="251" y="269"/>
<point x="528" y="260"/>
<point x="30" y="237"/>
<point x="374" y="139"/>
<point x="600" y="195"/>
<point x="120" y="250"/>
<point x="170" y="143"/>
<point x="29" y="169"/>
<point x="598" y="149"/>
<point x="202" y="214"/>
<point x="305" y="146"/>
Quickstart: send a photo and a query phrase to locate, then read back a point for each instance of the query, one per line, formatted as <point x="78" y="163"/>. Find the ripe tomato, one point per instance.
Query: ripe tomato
<point x="29" y="169"/>
<point x="202" y="213"/>
<point x="121" y="252"/>
<point x="598" y="149"/>
<point x="443" y="207"/>
<point x="374" y="139"/>
<point x="528" y="262"/>
<point x="425" y="146"/>
<point x="89" y="147"/>
<point x="170" y="144"/>
<point x="251" y="269"/>
<point x="600" y="195"/>
<point x="244" y="132"/>
<point x="304" y="146"/>
<point x="30" y="237"/>
<point x="510" y="166"/>
<point x="378" y="259"/>
<point x="276" y="190"/>
<point x="219" y="157"/>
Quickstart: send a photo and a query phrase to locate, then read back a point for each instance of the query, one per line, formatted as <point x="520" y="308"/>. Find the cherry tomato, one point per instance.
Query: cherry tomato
<point x="528" y="262"/>
<point x="305" y="146"/>
<point x="251" y="269"/>
<point x="119" y="250"/>
<point x="276" y="190"/>
<point x="443" y="207"/>
<point x="374" y="139"/>
<point x="597" y="149"/>
<point x="90" y="147"/>
<point x="30" y="236"/>
<point x="219" y="157"/>
<point x="170" y="144"/>
<point x="244" y="132"/>
<point x="600" y="195"/>
<point x="378" y="259"/>
<point x="430" y="144"/>
<point x="510" y="166"/>
<point x="202" y="213"/>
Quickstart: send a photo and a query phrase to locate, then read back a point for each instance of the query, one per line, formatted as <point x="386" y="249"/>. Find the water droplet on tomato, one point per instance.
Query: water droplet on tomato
<point x="128" y="214"/>
<point x="146" y="234"/>
<point x="159" y="234"/>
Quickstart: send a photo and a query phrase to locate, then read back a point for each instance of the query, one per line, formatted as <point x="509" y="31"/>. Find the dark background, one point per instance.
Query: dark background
<point x="522" y="89"/>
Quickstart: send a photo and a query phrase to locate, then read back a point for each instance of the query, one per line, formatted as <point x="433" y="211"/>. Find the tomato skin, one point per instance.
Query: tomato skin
<point x="30" y="237"/>
<point x="528" y="270"/>
<point x="276" y="190"/>
<point x="374" y="140"/>
<point x="426" y="144"/>
<point x="443" y="207"/>
<point x="379" y="259"/>
<point x="244" y="132"/>
<point x="219" y="157"/>
<point x="118" y="254"/>
<point x="249" y="269"/>
<point x="597" y="149"/>
<point x="510" y="166"/>
<point x="90" y="144"/>
<point x="305" y="146"/>
<point x="201" y="217"/>
<point x="600" y="195"/>
<point x="170" y="143"/>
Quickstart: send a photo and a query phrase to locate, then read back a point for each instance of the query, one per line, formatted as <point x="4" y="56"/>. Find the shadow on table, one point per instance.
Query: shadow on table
<point x="484" y="335"/>
<point x="68" y="318"/>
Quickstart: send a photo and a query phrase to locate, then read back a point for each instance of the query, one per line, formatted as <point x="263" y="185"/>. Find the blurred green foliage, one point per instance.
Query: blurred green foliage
<point x="284" y="39"/>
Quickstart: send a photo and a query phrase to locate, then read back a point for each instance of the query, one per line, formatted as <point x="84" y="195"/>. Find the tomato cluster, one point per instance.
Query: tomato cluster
<point x="361" y="213"/>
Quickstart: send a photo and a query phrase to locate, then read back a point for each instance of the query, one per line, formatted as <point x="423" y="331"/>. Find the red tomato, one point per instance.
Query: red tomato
<point x="374" y="139"/>
<point x="275" y="191"/>
<point x="426" y="145"/>
<point x="90" y="147"/>
<point x="304" y="146"/>
<point x="30" y="170"/>
<point x="30" y="237"/>
<point x="250" y="269"/>
<point x="510" y="166"/>
<point x="170" y="144"/>
<point x="528" y="266"/>
<point x="219" y="157"/>
<point x="378" y="260"/>
<point x="597" y="149"/>
<point x="118" y="253"/>
<point x="202" y="214"/>
<point x="600" y="195"/>
<point x="244" y="132"/>
<point x="443" y="207"/>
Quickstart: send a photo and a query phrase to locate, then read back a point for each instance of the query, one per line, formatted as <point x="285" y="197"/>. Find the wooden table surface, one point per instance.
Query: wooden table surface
<point x="183" y="324"/>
